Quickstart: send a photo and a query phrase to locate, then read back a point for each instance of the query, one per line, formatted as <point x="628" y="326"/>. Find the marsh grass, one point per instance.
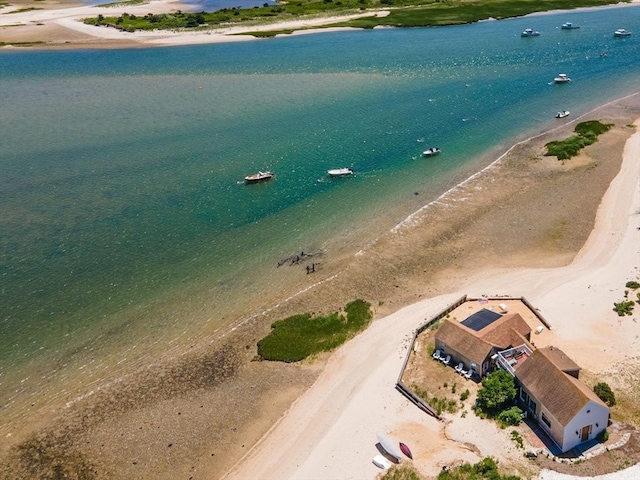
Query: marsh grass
<point x="299" y="336"/>
<point x="587" y="133"/>
<point x="405" y="13"/>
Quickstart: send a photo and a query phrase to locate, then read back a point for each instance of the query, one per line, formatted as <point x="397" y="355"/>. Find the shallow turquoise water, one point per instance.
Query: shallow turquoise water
<point x="123" y="223"/>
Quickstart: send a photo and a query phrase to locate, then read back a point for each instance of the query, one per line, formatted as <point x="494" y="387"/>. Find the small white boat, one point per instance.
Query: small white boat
<point x="340" y="172"/>
<point x="430" y="152"/>
<point x="563" y="113"/>
<point x="258" y="177"/>
<point x="562" y="78"/>
<point x="529" y="32"/>
<point x="381" y="462"/>
<point x="569" y="26"/>
<point x="621" y="32"/>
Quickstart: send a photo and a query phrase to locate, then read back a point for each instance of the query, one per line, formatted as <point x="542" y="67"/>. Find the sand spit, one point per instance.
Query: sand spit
<point x="330" y="431"/>
<point x="189" y="418"/>
<point x="54" y="24"/>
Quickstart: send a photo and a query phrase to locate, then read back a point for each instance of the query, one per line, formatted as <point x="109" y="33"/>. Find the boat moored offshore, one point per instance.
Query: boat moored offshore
<point x="621" y="32"/>
<point x="529" y="32"/>
<point x="258" y="177"/>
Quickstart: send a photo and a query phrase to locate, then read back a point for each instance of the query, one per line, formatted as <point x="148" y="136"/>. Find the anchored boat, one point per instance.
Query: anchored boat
<point x="258" y="177"/>
<point x="340" y="172"/>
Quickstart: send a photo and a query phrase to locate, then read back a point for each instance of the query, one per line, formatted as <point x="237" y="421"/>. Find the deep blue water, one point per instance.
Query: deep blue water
<point x="123" y="221"/>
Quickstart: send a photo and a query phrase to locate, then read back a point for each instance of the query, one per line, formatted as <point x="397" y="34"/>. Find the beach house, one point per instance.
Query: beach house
<point x="549" y="388"/>
<point x="566" y="409"/>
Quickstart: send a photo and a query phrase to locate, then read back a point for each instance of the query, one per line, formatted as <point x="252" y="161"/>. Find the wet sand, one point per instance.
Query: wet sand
<point x="197" y="415"/>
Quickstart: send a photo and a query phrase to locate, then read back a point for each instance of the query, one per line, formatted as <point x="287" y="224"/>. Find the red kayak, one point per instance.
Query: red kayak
<point x="404" y="449"/>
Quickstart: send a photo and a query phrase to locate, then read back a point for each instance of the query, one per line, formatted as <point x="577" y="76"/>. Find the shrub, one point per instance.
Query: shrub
<point x="632" y="285"/>
<point x="486" y="469"/>
<point x="624" y="308"/>
<point x="604" y="393"/>
<point x="516" y="437"/>
<point x="498" y="390"/>
<point x="464" y="395"/>
<point x="603" y="436"/>
<point x="511" y="416"/>
<point x="401" y="472"/>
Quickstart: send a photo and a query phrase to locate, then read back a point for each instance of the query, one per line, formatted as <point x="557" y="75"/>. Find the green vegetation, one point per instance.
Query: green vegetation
<point x="604" y="393"/>
<point x="125" y="3"/>
<point x="497" y="392"/>
<point x="587" y="133"/>
<point x="624" y="308"/>
<point x="21" y="10"/>
<point x="516" y="437"/>
<point x="510" y="416"/>
<point x="295" y="338"/>
<point x="405" y="13"/>
<point x="464" y="395"/>
<point x="440" y="405"/>
<point x="486" y="469"/>
<point x="603" y="436"/>
<point x="632" y="285"/>
<point x="401" y="472"/>
<point x="19" y="44"/>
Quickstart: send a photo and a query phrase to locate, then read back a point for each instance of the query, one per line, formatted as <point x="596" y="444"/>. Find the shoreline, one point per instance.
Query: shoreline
<point x="60" y="28"/>
<point x="276" y="387"/>
<point x="312" y="431"/>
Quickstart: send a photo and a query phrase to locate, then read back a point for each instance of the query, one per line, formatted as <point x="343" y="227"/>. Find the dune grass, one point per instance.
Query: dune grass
<point x="295" y="338"/>
<point x="586" y="134"/>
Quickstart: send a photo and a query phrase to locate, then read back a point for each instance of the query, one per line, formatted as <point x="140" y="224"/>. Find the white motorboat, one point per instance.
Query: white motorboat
<point x="563" y="113"/>
<point x="258" y="177"/>
<point x="431" y="151"/>
<point x="529" y="32"/>
<point x="381" y="462"/>
<point x="569" y="26"/>
<point x="562" y="78"/>
<point x="621" y="32"/>
<point x="340" y="172"/>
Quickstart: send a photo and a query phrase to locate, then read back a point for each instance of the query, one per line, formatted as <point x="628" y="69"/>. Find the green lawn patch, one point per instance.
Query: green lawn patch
<point x="295" y="338"/>
<point x="587" y="133"/>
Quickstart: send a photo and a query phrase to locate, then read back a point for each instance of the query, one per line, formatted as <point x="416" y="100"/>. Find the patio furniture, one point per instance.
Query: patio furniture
<point x="470" y="373"/>
<point x="459" y="367"/>
<point x="436" y="355"/>
<point x="446" y="360"/>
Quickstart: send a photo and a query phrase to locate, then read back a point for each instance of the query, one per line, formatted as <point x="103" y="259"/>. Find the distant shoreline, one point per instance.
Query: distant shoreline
<point x="57" y="26"/>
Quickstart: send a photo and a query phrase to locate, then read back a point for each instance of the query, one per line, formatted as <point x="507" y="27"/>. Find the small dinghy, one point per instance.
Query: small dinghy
<point x="405" y="449"/>
<point x="381" y="462"/>
<point x="389" y="446"/>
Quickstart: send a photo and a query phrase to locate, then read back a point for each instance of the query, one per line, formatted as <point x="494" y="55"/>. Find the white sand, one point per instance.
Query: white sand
<point x="330" y="432"/>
